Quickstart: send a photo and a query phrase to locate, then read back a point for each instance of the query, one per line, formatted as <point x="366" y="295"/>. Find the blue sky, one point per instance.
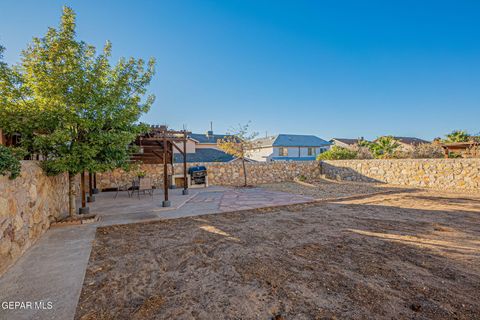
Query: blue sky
<point x="329" y="68"/>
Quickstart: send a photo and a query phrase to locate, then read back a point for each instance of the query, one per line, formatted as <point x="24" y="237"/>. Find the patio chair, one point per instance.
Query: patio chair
<point x="145" y="186"/>
<point x="122" y="187"/>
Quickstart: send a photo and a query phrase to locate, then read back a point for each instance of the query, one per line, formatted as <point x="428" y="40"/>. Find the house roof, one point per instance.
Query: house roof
<point x="265" y="142"/>
<point x="411" y="140"/>
<point x="292" y="140"/>
<point x="204" y="138"/>
<point x="204" y="155"/>
<point x="346" y="140"/>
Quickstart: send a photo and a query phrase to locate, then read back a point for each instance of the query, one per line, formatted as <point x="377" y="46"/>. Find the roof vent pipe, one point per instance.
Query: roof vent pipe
<point x="210" y="132"/>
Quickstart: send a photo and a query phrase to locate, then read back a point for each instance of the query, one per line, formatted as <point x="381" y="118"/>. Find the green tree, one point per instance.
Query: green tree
<point x="457" y="136"/>
<point x="384" y="147"/>
<point x="72" y="106"/>
<point x="337" y="153"/>
<point x="10" y="161"/>
<point x="237" y="144"/>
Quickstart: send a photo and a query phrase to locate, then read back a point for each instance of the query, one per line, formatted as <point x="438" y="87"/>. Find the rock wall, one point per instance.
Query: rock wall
<point x="433" y="173"/>
<point x="221" y="173"/>
<point x="28" y="205"/>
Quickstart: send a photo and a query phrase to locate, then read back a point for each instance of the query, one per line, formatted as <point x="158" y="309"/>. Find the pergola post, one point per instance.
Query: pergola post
<point x="157" y="146"/>
<point x="95" y="190"/>
<point x="91" y="197"/>
<point x="185" y="181"/>
<point x="166" y="202"/>
<point x="84" y="209"/>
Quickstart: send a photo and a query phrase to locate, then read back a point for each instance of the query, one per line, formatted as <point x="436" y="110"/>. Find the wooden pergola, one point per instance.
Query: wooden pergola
<point x="156" y="147"/>
<point x="460" y="147"/>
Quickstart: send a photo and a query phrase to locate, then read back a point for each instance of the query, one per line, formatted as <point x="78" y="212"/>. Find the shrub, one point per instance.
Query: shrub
<point x="401" y="154"/>
<point x="302" y="178"/>
<point x="427" y="151"/>
<point x="454" y="155"/>
<point x="363" y="152"/>
<point x="10" y="161"/>
<point x="337" y="153"/>
<point x="473" y="152"/>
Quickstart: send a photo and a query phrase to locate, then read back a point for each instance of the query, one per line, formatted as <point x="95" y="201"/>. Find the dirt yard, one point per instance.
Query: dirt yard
<point x="329" y="189"/>
<point x="409" y="255"/>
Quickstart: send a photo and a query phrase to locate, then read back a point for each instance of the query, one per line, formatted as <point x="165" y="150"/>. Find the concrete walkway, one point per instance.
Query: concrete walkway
<point x="53" y="269"/>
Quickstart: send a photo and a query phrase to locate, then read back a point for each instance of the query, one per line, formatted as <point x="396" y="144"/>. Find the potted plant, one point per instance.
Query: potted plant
<point x="141" y="174"/>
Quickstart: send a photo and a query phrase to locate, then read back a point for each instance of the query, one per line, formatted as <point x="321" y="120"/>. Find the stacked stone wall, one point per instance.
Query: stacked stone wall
<point x="460" y="174"/>
<point x="28" y="205"/>
<point x="221" y="173"/>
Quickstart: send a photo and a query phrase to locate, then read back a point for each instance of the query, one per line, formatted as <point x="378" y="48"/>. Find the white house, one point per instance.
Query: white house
<point x="288" y="147"/>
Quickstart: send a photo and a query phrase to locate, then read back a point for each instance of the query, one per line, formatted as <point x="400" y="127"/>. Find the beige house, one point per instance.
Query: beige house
<point x="409" y="143"/>
<point x="345" y="142"/>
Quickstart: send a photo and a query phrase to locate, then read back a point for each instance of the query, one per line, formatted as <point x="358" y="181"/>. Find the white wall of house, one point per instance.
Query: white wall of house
<point x="190" y="146"/>
<point x="207" y="146"/>
<point x="260" y="154"/>
<point x="300" y="151"/>
<point x="266" y="153"/>
<point x="343" y="145"/>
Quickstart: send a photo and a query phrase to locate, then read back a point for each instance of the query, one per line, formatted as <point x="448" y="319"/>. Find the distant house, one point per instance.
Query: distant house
<point x="202" y="147"/>
<point x="288" y="147"/>
<point x="408" y="143"/>
<point x="345" y="142"/>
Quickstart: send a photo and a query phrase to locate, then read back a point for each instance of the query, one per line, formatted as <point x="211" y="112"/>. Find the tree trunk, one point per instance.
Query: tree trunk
<point x="244" y="171"/>
<point x="71" y="194"/>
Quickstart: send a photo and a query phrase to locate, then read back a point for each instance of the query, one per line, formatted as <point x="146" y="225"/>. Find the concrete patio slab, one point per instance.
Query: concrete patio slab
<point x="51" y="271"/>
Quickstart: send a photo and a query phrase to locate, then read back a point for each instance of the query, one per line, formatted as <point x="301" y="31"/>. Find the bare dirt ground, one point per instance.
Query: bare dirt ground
<point x="329" y="189"/>
<point x="409" y="255"/>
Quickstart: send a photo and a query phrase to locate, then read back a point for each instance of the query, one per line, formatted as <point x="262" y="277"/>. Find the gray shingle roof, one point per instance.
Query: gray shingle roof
<point x="411" y="140"/>
<point x="203" y="138"/>
<point x="204" y="155"/>
<point x="265" y="142"/>
<point x="292" y="140"/>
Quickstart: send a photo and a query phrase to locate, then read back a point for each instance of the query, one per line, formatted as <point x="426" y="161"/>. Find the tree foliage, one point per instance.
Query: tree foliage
<point x="457" y="136"/>
<point x="337" y="153"/>
<point x="384" y="147"/>
<point x="237" y="143"/>
<point x="71" y="105"/>
<point x="10" y="161"/>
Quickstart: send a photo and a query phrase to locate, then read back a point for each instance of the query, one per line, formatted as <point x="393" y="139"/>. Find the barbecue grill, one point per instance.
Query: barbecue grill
<point x="198" y="174"/>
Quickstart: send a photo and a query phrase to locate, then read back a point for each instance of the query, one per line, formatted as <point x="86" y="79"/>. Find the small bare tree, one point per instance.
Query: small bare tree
<point x="237" y="143"/>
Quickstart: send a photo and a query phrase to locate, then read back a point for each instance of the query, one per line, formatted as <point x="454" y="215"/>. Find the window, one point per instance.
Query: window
<point x="282" y="152"/>
<point x="311" y="151"/>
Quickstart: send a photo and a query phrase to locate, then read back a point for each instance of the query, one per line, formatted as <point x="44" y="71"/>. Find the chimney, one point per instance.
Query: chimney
<point x="210" y="132"/>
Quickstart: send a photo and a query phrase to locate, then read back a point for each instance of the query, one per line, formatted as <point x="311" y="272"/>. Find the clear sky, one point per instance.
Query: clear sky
<point x="329" y="68"/>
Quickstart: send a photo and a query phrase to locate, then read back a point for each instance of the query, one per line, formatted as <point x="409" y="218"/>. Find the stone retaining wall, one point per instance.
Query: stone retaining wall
<point x="220" y="173"/>
<point x="433" y="173"/>
<point x="28" y="205"/>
